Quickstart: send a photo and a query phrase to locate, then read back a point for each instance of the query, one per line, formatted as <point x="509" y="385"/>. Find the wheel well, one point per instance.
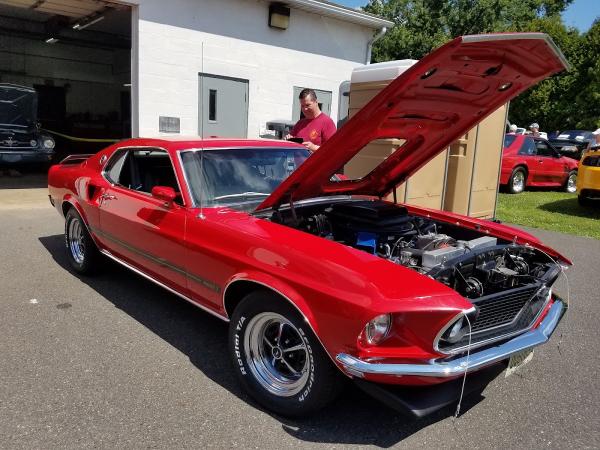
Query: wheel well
<point x="65" y="208"/>
<point x="237" y="290"/>
<point x="521" y="166"/>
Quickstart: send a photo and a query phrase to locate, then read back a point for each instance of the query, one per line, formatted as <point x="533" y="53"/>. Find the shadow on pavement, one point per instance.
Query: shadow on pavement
<point x="23" y="177"/>
<point x="355" y="418"/>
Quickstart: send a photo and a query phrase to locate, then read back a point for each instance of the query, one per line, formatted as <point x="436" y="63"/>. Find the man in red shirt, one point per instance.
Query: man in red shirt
<point x="316" y="127"/>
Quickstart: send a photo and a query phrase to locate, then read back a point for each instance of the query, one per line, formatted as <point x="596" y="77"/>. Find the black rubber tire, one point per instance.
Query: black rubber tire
<point x="566" y="186"/>
<point x="320" y="388"/>
<point x="91" y="255"/>
<point x="584" y="200"/>
<point x="510" y="186"/>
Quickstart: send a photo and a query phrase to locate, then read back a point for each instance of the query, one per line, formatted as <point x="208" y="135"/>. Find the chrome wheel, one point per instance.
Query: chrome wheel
<point x="76" y="242"/>
<point x="276" y="354"/>
<point x="572" y="183"/>
<point x="518" y="181"/>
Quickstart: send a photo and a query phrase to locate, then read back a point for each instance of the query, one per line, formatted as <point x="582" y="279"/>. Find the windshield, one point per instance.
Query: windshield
<point x="575" y="134"/>
<point x="238" y="177"/>
<point x="18" y="107"/>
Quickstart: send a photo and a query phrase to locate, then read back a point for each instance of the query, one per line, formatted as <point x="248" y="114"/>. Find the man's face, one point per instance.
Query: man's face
<point x="309" y="106"/>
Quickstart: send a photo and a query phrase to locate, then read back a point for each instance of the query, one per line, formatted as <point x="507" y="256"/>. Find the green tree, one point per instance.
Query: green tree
<point x="568" y="100"/>
<point x="422" y="25"/>
<point x="552" y="103"/>
<point x="587" y="86"/>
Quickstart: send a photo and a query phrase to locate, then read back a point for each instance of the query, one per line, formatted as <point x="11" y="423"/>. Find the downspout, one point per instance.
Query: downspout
<point x="375" y="38"/>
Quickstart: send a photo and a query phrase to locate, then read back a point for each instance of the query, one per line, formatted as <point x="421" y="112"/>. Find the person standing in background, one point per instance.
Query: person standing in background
<point x="535" y="129"/>
<point x="316" y="127"/>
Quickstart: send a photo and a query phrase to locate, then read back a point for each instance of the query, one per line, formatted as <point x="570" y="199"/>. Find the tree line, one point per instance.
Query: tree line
<point x="569" y="100"/>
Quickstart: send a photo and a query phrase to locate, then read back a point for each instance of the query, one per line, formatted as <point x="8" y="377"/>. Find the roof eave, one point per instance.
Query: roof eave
<point x="340" y="12"/>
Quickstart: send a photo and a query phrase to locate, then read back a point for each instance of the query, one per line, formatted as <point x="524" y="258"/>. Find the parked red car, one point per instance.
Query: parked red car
<point x="529" y="161"/>
<point x="318" y="276"/>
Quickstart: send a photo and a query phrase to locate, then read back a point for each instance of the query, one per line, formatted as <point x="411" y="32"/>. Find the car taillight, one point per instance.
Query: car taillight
<point x="593" y="161"/>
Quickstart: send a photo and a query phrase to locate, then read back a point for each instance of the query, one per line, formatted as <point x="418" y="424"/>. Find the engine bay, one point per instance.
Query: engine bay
<point x="472" y="263"/>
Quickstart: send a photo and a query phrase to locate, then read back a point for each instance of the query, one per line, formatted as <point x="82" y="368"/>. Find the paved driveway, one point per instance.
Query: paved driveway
<point x="113" y="361"/>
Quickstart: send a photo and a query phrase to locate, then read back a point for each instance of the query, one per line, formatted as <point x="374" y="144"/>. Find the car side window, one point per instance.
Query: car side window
<point x="114" y="167"/>
<point x="544" y="149"/>
<point x="142" y="169"/>
<point x="528" y="147"/>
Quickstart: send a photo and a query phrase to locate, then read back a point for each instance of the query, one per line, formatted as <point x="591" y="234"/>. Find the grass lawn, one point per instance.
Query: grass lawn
<point x="555" y="211"/>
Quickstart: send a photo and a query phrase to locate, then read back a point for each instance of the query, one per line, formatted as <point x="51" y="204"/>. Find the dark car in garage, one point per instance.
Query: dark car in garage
<point x="21" y="140"/>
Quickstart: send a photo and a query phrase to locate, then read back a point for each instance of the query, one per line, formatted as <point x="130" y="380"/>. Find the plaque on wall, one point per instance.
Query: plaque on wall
<point x="168" y="124"/>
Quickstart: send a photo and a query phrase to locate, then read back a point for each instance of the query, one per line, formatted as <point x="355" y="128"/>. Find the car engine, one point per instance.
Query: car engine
<point x="472" y="263"/>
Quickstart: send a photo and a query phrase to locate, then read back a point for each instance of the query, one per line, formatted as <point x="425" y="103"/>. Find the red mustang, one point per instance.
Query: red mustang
<point x="317" y="275"/>
<point x="532" y="161"/>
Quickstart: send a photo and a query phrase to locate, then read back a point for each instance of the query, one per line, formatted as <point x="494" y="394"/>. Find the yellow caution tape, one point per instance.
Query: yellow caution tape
<point x="78" y="139"/>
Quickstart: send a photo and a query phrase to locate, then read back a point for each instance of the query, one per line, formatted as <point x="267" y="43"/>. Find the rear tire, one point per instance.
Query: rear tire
<point x="571" y="183"/>
<point x="81" y="250"/>
<point x="277" y="358"/>
<point x="517" y="181"/>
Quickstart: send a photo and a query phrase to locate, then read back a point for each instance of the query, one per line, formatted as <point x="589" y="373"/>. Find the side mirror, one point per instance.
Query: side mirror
<point x="165" y="193"/>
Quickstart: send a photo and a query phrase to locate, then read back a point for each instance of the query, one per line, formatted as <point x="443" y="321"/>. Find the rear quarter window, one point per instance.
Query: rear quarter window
<point x="509" y="139"/>
<point x="528" y="147"/>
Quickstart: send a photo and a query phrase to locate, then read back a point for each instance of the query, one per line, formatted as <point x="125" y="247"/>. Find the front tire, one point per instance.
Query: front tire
<point x="517" y="181"/>
<point x="81" y="250"/>
<point x="571" y="183"/>
<point x="277" y="358"/>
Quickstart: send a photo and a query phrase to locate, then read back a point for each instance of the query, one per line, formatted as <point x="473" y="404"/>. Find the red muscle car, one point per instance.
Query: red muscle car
<point x="318" y="276"/>
<point x="532" y="161"/>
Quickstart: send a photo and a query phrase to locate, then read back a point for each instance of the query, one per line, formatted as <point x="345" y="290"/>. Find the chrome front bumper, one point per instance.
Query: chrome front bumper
<point x="453" y="367"/>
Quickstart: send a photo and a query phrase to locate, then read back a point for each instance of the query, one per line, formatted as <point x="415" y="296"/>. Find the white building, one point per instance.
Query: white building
<point x="182" y="53"/>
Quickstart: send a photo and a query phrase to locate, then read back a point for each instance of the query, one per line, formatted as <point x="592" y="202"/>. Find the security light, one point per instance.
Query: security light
<point x="279" y="16"/>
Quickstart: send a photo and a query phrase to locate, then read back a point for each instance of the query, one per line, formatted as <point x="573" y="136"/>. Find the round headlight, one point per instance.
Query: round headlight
<point x="377" y="329"/>
<point x="33" y="143"/>
<point x="48" y="143"/>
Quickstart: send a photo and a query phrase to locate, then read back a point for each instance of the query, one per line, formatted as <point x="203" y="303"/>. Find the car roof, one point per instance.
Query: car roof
<point x="175" y="143"/>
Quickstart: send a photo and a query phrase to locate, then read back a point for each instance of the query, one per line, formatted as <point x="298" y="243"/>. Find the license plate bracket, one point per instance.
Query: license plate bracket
<point x="518" y="360"/>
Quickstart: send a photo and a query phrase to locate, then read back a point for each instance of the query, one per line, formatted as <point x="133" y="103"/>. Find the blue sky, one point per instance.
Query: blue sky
<point x="581" y="14"/>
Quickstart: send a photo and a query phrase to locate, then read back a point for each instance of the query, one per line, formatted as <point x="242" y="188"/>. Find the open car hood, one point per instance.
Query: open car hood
<point x="429" y="106"/>
<point x="18" y="107"/>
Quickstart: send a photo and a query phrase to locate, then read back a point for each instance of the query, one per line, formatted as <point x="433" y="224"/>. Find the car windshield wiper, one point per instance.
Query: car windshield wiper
<point x="243" y="195"/>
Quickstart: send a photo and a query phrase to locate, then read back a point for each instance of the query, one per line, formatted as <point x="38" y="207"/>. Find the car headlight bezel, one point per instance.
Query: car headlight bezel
<point x="48" y="143"/>
<point x="455" y="329"/>
<point x="378" y="329"/>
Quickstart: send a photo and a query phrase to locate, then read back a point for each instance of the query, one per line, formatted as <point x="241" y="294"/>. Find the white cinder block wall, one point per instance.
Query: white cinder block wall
<point x="178" y="39"/>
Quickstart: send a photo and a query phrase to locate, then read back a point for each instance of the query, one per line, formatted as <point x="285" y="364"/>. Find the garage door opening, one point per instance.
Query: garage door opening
<point x="76" y="55"/>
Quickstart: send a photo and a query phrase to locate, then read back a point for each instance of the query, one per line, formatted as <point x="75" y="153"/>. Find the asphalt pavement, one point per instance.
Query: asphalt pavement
<point x="114" y="361"/>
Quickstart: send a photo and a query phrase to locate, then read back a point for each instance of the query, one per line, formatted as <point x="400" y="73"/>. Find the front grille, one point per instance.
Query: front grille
<point x="498" y="310"/>
<point x="501" y="315"/>
<point x="10" y="144"/>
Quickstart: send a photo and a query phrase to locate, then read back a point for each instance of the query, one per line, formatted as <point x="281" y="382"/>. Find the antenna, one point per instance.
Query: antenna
<point x="202" y="216"/>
